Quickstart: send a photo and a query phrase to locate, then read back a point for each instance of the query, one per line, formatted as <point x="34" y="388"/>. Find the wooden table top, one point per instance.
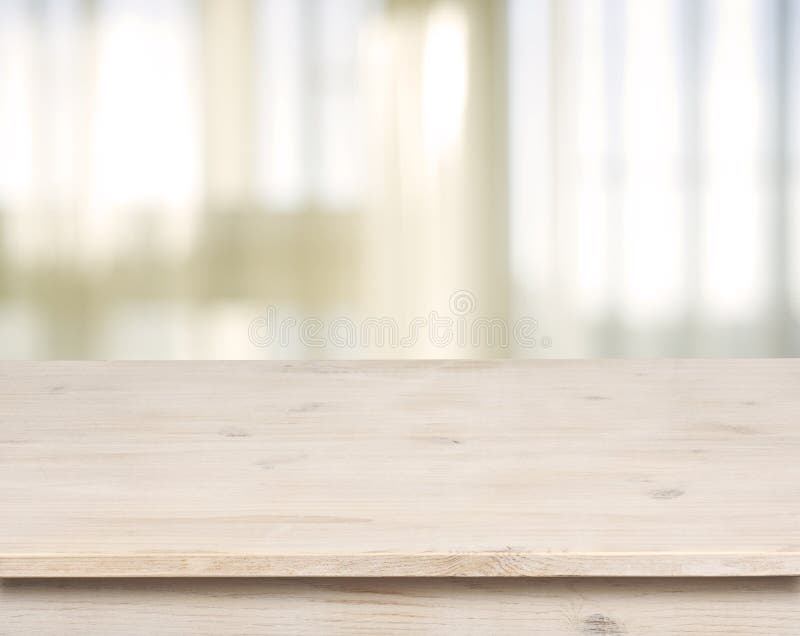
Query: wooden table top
<point x="426" y="468"/>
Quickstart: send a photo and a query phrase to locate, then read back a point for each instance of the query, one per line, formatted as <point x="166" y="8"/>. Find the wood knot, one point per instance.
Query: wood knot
<point x="601" y="625"/>
<point x="667" y="493"/>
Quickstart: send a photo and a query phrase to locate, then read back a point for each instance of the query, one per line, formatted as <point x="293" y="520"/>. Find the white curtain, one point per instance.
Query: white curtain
<point x="654" y="185"/>
<point x="435" y="213"/>
<point x="623" y="171"/>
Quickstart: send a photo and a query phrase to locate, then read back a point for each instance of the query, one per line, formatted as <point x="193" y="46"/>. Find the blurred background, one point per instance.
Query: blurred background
<point x="623" y="171"/>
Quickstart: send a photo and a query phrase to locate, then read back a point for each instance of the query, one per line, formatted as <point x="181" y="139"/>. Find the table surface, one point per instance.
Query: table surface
<point x="425" y="468"/>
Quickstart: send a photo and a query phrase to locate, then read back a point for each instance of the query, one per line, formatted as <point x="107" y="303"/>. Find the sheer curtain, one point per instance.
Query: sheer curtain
<point x="654" y="186"/>
<point x="165" y="167"/>
<point x="435" y="215"/>
<point x="625" y="172"/>
<point x="99" y="122"/>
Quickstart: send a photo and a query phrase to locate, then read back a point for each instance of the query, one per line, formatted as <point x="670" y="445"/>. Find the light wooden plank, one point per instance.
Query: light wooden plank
<point x="536" y="468"/>
<point x="551" y="607"/>
<point x="409" y="564"/>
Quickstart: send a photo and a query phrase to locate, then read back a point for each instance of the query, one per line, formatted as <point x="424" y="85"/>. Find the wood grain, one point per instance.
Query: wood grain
<point x="378" y="564"/>
<point x="551" y="607"/>
<point x="507" y="468"/>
